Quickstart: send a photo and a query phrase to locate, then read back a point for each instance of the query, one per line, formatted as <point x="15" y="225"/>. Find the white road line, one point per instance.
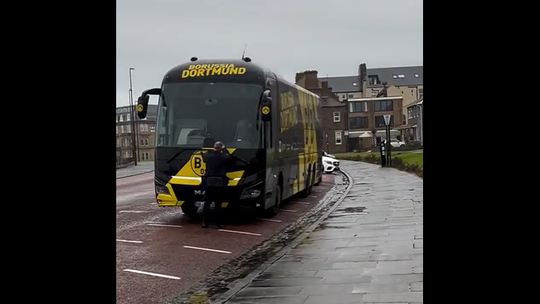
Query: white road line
<point x="126" y="241"/>
<point x="269" y="220"/>
<point x="240" y="232"/>
<point x="287" y="210"/>
<point x="163" y="225"/>
<point x="132" y="211"/>
<point x="207" y="249"/>
<point x="153" y="274"/>
<point x="301" y="203"/>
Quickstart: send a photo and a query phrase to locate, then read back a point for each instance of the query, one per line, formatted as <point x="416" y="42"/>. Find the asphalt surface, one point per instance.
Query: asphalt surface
<point x="161" y="254"/>
<point x="368" y="250"/>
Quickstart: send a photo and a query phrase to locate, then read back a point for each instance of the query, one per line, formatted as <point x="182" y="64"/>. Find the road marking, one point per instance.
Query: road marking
<point x="132" y="211"/>
<point x="301" y="203"/>
<point x="126" y="241"/>
<point x="287" y="210"/>
<point x="207" y="249"/>
<point x="163" y="225"/>
<point x="240" y="232"/>
<point x="269" y="220"/>
<point x="153" y="274"/>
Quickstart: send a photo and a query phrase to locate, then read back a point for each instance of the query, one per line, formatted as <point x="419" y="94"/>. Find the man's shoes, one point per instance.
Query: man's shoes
<point x="218" y="226"/>
<point x="204" y="224"/>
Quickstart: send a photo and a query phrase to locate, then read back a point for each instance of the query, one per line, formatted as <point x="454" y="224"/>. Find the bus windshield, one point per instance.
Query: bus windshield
<point x="198" y="114"/>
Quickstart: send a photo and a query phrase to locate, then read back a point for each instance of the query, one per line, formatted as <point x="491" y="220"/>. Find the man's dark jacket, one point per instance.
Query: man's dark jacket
<point x="216" y="164"/>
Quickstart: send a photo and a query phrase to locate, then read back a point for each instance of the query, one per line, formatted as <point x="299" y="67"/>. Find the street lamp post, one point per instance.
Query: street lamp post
<point x="132" y="114"/>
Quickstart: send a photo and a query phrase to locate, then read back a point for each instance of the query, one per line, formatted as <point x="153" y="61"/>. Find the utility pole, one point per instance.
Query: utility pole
<point x="132" y="114"/>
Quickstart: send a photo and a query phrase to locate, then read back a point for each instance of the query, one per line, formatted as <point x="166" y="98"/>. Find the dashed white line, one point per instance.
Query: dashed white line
<point x="269" y="220"/>
<point x="240" y="232"/>
<point x="207" y="249"/>
<point x="164" y="225"/>
<point x="300" y="203"/>
<point x="153" y="274"/>
<point x="288" y="210"/>
<point x="133" y="211"/>
<point x="128" y="241"/>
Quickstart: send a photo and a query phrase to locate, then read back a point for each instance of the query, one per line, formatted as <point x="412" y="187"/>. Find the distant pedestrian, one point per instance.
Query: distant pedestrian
<point x="215" y="181"/>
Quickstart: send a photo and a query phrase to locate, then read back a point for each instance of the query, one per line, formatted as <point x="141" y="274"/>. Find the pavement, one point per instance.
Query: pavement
<point x="161" y="254"/>
<point x="141" y="168"/>
<point x="368" y="250"/>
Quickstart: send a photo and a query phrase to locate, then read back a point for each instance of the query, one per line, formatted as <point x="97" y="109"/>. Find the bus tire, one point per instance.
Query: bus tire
<point x="189" y="210"/>
<point x="319" y="180"/>
<point x="273" y="211"/>
<point x="307" y="191"/>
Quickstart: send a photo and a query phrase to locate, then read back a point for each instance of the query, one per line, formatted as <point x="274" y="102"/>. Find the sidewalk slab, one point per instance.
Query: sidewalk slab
<point x="141" y="168"/>
<point x="369" y="249"/>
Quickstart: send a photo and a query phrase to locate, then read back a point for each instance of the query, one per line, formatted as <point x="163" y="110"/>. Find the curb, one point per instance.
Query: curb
<point x="238" y="285"/>
<point x="134" y="174"/>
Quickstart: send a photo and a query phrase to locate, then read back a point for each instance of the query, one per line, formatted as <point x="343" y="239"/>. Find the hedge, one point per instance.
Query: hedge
<point x="409" y="162"/>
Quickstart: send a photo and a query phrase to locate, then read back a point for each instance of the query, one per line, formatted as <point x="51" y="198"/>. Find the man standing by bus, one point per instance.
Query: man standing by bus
<point x="215" y="181"/>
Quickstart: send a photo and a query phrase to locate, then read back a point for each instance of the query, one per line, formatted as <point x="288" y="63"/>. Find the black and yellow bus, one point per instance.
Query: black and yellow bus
<point x="271" y="128"/>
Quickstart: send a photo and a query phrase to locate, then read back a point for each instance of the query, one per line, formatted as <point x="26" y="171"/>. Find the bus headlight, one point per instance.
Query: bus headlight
<point x="162" y="189"/>
<point x="250" y="193"/>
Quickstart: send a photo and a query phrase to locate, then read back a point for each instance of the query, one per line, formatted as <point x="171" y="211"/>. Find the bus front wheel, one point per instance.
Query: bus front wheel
<point x="273" y="211"/>
<point x="190" y="210"/>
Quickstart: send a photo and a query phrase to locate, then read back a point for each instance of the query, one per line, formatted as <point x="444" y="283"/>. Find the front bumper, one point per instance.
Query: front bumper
<point x="329" y="168"/>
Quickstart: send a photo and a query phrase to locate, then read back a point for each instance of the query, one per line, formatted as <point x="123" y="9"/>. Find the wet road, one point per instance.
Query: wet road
<point x="160" y="253"/>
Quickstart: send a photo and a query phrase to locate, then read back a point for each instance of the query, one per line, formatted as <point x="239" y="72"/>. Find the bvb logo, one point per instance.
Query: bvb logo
<point x="140" y="108"/>
<point x="265" y="110"/>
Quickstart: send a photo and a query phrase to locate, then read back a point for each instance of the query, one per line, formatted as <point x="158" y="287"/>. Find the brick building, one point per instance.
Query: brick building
<point x="334" y="113"/>
<point x="145" y="135"/>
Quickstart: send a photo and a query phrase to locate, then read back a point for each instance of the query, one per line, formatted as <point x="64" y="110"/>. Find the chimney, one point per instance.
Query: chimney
<point x="362" y="73"/>
<point x="311" y="80"/>
<point x="298" y="76"/>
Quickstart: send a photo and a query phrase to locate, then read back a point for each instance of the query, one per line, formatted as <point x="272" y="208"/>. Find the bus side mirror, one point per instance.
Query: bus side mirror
<point x="266" y="106"/>
<point x="142" y="106"/>
<point x="142" y="102"/>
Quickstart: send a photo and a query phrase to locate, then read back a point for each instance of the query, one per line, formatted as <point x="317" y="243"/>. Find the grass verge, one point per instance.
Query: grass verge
<point x="404" y="161"/>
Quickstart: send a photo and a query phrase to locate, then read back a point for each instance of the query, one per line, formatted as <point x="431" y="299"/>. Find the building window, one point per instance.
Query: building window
<point x="152" y="129"/>
<point x="358" y="106"/>
<point x="144" y="142"/>
<point x="338" y="137"/>
<point x="374" y="93"/>
<point x="384" y="105"/>
<point x="122" y="129"/>
<point x="410" y="113"/>
<point x="379" y="121"/>
<point x="128" y="128"/>
<point x="351" y="96"/>
<point x="117" y="130"/>
<point x="128" y="117"/>
<point x="337" y="117"/>
<point x="420" y="93"/>
<point x="358" y="123"/>
<point x="121" y="118"/>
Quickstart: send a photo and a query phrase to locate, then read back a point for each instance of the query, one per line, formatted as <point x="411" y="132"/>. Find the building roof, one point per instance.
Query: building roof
<point x="343" y="83"/>
<point x="330" y="102"/>
<point x="397" y="76"/>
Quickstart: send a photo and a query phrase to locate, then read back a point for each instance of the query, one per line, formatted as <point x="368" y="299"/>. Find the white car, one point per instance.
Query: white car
<point x="330" y="164"/>
<point x="397" y="143"/>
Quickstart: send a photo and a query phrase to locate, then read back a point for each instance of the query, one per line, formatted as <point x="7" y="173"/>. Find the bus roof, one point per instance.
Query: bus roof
<point x="227" y="70"/>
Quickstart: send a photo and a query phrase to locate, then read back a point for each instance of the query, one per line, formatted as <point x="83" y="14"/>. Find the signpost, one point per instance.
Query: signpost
<point x="387" y="119"/>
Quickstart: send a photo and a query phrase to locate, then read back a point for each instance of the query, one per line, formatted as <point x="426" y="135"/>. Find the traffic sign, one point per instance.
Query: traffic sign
<point x="387" y="119"/>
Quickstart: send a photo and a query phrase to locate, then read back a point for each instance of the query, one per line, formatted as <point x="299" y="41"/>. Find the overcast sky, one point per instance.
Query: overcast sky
<point x="330" y="36"/>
